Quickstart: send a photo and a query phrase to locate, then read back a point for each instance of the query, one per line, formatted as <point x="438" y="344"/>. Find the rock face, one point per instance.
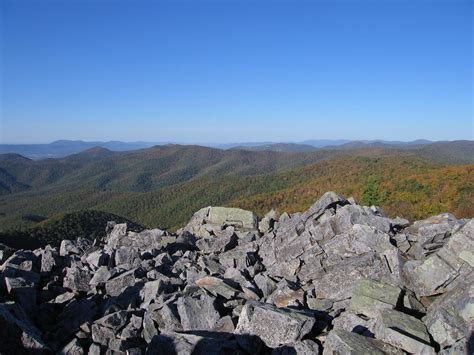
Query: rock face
<point x="339" y="278"/>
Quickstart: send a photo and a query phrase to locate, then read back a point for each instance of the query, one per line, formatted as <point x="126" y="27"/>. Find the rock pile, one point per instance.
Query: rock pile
<point x="337" y="279"/>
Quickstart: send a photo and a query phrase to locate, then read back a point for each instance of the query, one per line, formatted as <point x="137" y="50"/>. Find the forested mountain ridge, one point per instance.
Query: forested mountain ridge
<point x="161" y="186"/>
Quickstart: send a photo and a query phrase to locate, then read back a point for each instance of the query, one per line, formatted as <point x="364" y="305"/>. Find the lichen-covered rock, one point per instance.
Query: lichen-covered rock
<point x="450" y="318"/>
<point x="275" y="326"/>
<point x="435" y="274"/>
<point x="369" y="297"/>
<point x="403" y="331"/>
<point x="197" y="313"/>
<point x="217" y="287"/>
<point x="344" y="342"/>
<point x="117" y="284"/>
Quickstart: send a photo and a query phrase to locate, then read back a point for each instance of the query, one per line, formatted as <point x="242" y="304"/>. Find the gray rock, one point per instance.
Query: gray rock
<point x="217" y="287"/>
<point x="96" y="258"/>
<point x="210" y="219"/>
<point x="197" y="313"/>
<point x="149" y="328"/>
<point x="275" y="326"/>
<point x="434" y="229"/>
<point x="102" y="335"/>
<point x="48" y="261"/>
<point x="153" y="289"/>
<point x="224" y="325"/>
<point x="133" y="328"/>
<point x="286" y="295"/>
<point x="72" y="348"/>
<point x="115" y="321"/>
<point x="94" y="349"/>
<point x="115" y="286"/>
<point x="74" y="247"/>
<point x="449" y="318"/>
<point x="435" y="274"/>
<point x="63" y="298"/>
<point x="146" y="240"/>
<point x="337" y="281"/>
<point x="74" y="314"/>
<point x="77" y="279"/>
<point x="319" y="304"/>
<point x="5" y="252"/>
<point x="265" y="284"/>
<point x="304" y="347"/>
<point x="166" y="317"/>
<point x="343" y="342"/>
<point x="351" y="322"/>
<point x="102" y="275"/>
<point x="127" y="257"/>
<point x="369" y="297"/>
<point x="184" y="344"/>
<point x="217" y="244"/>
<point x="403" y="331"/>
<point x="18" y="335"/>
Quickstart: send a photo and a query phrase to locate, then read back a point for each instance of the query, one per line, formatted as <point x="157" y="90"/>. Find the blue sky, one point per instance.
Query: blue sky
<point x="227" y="71"/>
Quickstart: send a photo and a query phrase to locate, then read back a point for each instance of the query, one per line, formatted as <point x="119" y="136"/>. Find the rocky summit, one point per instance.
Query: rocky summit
<point x="339" y="278"/>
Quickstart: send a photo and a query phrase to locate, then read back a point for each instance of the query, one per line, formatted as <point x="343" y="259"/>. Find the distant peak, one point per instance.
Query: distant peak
<point x="96" y="152"/>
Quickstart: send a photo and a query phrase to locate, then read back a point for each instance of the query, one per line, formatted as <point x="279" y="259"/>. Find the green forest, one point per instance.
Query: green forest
<point x="49" y="200"/>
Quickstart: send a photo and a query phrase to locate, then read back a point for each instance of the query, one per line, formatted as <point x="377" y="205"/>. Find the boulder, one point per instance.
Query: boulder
<point x="18" y="335"/>
<point x="369" y="297"/>
<point x="449" y="318"/>
<point x="403" y="331"/>
<point x="275" y="326"/>
<point x="77" y="279"/>
<point x="353" y="323"/>
<point x="303" y="347"/>
<point x="217" y="287"/>
<point x="286" y="294"/>
<point x="343" y="342"/>
<point x="74" y="247"/>
<point x="217" y="244"/>
<point x="143" y="241"/>
<point x="197" y="313"/>
<point x="74" y="347"/>
<point x="208" y="220"/>
<point x="435" y="274"/>
<point x="183" y="344"/>
<point x="116" y="285"/>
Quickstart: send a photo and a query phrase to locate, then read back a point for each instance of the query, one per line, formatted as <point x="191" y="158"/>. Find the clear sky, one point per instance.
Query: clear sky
<point x="229" y="71"/>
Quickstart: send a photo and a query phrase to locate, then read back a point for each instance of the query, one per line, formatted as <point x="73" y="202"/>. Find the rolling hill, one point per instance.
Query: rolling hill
<point x="86" y="224"/>
<point x="161" y="186"/>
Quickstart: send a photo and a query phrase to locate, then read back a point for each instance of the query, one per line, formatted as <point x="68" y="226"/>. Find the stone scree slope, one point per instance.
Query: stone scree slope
<point x="339" y="278"/>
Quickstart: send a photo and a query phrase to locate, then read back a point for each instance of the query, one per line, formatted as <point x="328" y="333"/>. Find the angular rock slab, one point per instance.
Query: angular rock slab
<point x="214" y="219"/>
<point x="403" y="331"/>
<point x="369" y="297"/>
<point x="304" y="347"/>
<point x="217" y="287"/>
<point x="275" y="326"/>
<point x="184" y="344"/>
<point x="450" y="318"/>
<point x="343" y="342"/>
<point x="17" y="334"/>
<point x="197" y="313"/>
<point x="435" y="274"/>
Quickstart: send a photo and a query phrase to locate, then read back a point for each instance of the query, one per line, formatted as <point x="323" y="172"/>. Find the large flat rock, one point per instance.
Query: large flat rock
<point x="275" y="326"/>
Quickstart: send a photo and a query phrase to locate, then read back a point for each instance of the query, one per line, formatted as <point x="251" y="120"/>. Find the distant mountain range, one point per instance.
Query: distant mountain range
<point x="160" y="186"/>
<point x="64" y="148"/>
